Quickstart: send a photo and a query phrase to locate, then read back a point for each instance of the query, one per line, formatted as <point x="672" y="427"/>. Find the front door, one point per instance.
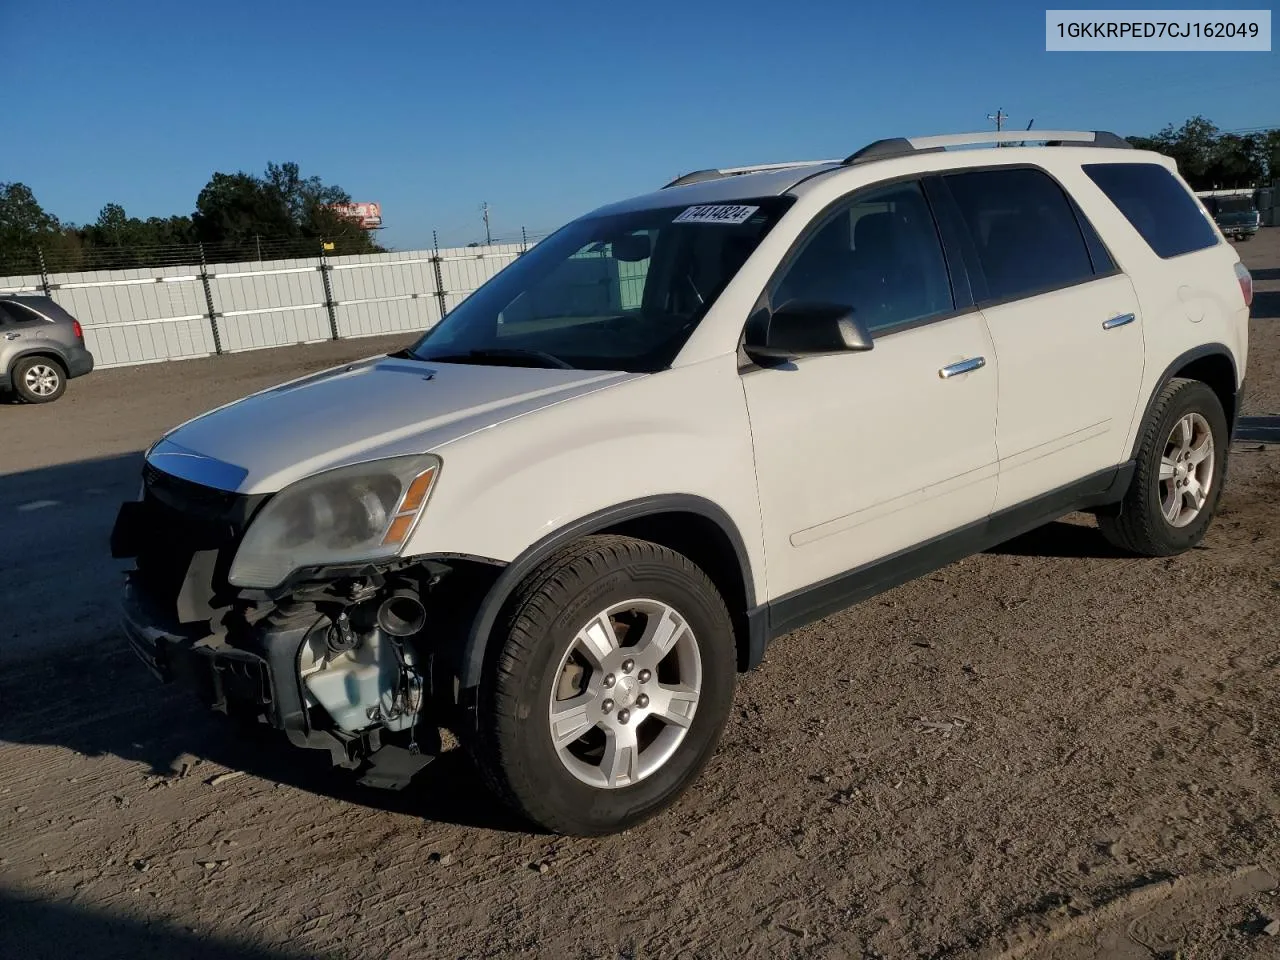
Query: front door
<point x="861" y="455"/>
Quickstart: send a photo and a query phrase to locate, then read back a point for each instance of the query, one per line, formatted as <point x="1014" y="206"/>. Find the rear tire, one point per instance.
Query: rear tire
<point x="39" y="379"/>
<point x="611" y="688"/>
<point x="1181" y="462"/>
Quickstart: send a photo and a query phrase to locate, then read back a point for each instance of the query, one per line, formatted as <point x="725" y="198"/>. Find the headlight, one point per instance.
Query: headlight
<point x="361" y="512"/>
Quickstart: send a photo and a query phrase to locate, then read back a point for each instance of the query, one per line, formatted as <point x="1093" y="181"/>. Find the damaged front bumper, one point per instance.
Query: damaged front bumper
<point x="263" y="684"/>
<point x="354" y="692"/>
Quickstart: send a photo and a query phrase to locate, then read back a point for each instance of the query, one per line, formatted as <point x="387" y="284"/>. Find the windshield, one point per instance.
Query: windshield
<point x="620" y="292"/>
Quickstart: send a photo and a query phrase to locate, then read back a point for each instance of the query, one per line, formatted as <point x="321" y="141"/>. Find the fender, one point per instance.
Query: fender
<point x="1195" y="353"/>
<point x="471" y="664"/>
<point x="47" y="349"/>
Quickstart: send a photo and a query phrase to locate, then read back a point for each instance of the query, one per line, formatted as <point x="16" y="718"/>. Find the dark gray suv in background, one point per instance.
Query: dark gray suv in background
<point x="41" y="348"/>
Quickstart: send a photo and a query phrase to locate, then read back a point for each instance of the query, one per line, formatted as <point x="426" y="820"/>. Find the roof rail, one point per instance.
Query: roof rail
<point x="906" y="146"/>
<point x="716" y="173"/>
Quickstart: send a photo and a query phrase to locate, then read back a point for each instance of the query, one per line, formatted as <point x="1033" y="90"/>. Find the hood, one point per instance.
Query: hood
<point x="374" y="408"/>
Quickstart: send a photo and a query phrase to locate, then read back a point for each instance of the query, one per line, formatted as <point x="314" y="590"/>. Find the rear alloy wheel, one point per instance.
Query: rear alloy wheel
<point x="38" y="380"/>
<point x="1181" y="461"/>
<point x="1186" y="470"/>
<point x="611" y="689"/>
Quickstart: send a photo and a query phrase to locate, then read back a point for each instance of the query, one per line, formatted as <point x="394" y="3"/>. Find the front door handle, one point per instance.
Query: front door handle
<point x="1119" y="321"/>
<point x="962" y="366"/>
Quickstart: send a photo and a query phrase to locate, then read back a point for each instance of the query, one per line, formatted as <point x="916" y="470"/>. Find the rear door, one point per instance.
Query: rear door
<point x="1066" y="326"/>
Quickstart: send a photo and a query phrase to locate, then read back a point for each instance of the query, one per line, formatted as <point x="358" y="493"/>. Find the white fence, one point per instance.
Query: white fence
<point x="173" y="313"/>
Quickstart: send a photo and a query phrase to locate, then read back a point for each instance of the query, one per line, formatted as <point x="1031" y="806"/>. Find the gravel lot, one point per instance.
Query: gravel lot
<point x="1044" y="751"/>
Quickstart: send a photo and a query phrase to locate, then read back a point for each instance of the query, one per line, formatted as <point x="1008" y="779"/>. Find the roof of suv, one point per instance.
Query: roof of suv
<point x="732" y="184"/>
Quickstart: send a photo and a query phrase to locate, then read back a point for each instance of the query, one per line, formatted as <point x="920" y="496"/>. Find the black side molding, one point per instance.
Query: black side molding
<point x="795" y="610"/>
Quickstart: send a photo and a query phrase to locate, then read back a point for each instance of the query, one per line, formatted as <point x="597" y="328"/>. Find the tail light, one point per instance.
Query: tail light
<point x="1246" y="283"/>
<point x="75" y="326"/>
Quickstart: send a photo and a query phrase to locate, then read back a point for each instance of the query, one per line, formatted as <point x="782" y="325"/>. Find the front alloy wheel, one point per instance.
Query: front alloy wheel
<point x="611" y="687"/>
<point x="626" y="693"/>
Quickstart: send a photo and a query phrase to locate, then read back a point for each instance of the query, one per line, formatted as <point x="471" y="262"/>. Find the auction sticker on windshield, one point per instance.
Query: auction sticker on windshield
<point x="716" y="213"/>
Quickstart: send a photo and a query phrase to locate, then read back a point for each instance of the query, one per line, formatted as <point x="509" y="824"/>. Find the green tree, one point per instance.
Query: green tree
<point x="1211" y="160"/>
<point x="24" y="224"/>
<point x="1237" y="161"/>
<point x="116" y="239"/>
<point x="1271" y="154"/>
<point x="25" y="228"/>
<point x="238" y="208"/>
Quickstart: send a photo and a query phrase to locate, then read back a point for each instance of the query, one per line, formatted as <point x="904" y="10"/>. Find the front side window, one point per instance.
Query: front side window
<point x="879" y="255"/>
<point x="1027" y="238"/>
<point x="1157" y="206"/>
<point x="619" y="292"/>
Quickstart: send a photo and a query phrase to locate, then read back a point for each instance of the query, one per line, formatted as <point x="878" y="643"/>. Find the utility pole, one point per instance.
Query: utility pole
<point x="484" y="209"/>
<point x="999" y="117"/>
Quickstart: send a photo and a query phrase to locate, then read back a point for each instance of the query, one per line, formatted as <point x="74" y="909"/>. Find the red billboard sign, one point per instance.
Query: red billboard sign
<point x="367" y="215"/>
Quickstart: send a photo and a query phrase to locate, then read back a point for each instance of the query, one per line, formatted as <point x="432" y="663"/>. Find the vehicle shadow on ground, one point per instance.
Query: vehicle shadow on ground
<point x="166" y="731"/>
<point x="39" y="930"/>
<point x="70" y="680"/>
<point x="1060" y="539"/>
<point x="1266" y="304"/>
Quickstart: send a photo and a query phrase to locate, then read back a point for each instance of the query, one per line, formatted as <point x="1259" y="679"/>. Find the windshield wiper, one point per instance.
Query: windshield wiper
<point x="502" y="353"/>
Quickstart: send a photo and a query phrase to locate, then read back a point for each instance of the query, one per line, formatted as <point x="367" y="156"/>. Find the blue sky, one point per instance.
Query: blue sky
<point x="543" y="108"/>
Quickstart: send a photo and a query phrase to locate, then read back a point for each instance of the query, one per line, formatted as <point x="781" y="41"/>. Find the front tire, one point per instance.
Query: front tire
<point x="39" y="379"/>
<point x="1181" y="461"/>
<point x="611" y="689"/>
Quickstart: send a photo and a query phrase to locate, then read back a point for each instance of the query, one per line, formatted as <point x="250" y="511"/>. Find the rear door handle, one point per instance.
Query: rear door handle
<point x="1119" y="321"/>
<point x="962" y="366"/>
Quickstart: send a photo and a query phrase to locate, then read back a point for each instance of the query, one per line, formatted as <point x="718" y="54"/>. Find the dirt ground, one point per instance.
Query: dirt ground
<point x="1045" y="751"/>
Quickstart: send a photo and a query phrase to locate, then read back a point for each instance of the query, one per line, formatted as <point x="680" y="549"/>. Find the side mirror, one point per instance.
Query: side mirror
<point x="806" y="329"/>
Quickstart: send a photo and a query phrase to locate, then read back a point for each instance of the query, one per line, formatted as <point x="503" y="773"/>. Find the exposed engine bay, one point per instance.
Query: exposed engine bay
<point x="363" y="679"/>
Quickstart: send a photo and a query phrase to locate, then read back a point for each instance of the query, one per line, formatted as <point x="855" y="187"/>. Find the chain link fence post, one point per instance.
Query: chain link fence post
<point x="435" y="262"/>
<point x="329" y="305"/>
<point x="208" y="302"/>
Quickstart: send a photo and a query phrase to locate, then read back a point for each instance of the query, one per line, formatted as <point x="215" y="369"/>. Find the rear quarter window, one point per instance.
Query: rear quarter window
<point x="1168" y="217"/>
<point x="12" y="313"/>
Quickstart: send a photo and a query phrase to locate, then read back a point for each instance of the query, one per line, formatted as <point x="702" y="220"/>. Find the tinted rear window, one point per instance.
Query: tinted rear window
<point x="1235" y="205"/>
<point x="1026" y="234"/>
<point x="1160" y="208"/>
<point x="15" y="312"/>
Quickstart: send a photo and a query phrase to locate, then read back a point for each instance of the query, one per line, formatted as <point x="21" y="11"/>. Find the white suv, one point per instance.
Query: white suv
<point x="682" y="426"/>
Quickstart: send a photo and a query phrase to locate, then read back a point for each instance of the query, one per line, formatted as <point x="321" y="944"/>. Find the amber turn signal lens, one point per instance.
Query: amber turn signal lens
<point x="417" y="492"/>
<point x="399" y="529"/>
